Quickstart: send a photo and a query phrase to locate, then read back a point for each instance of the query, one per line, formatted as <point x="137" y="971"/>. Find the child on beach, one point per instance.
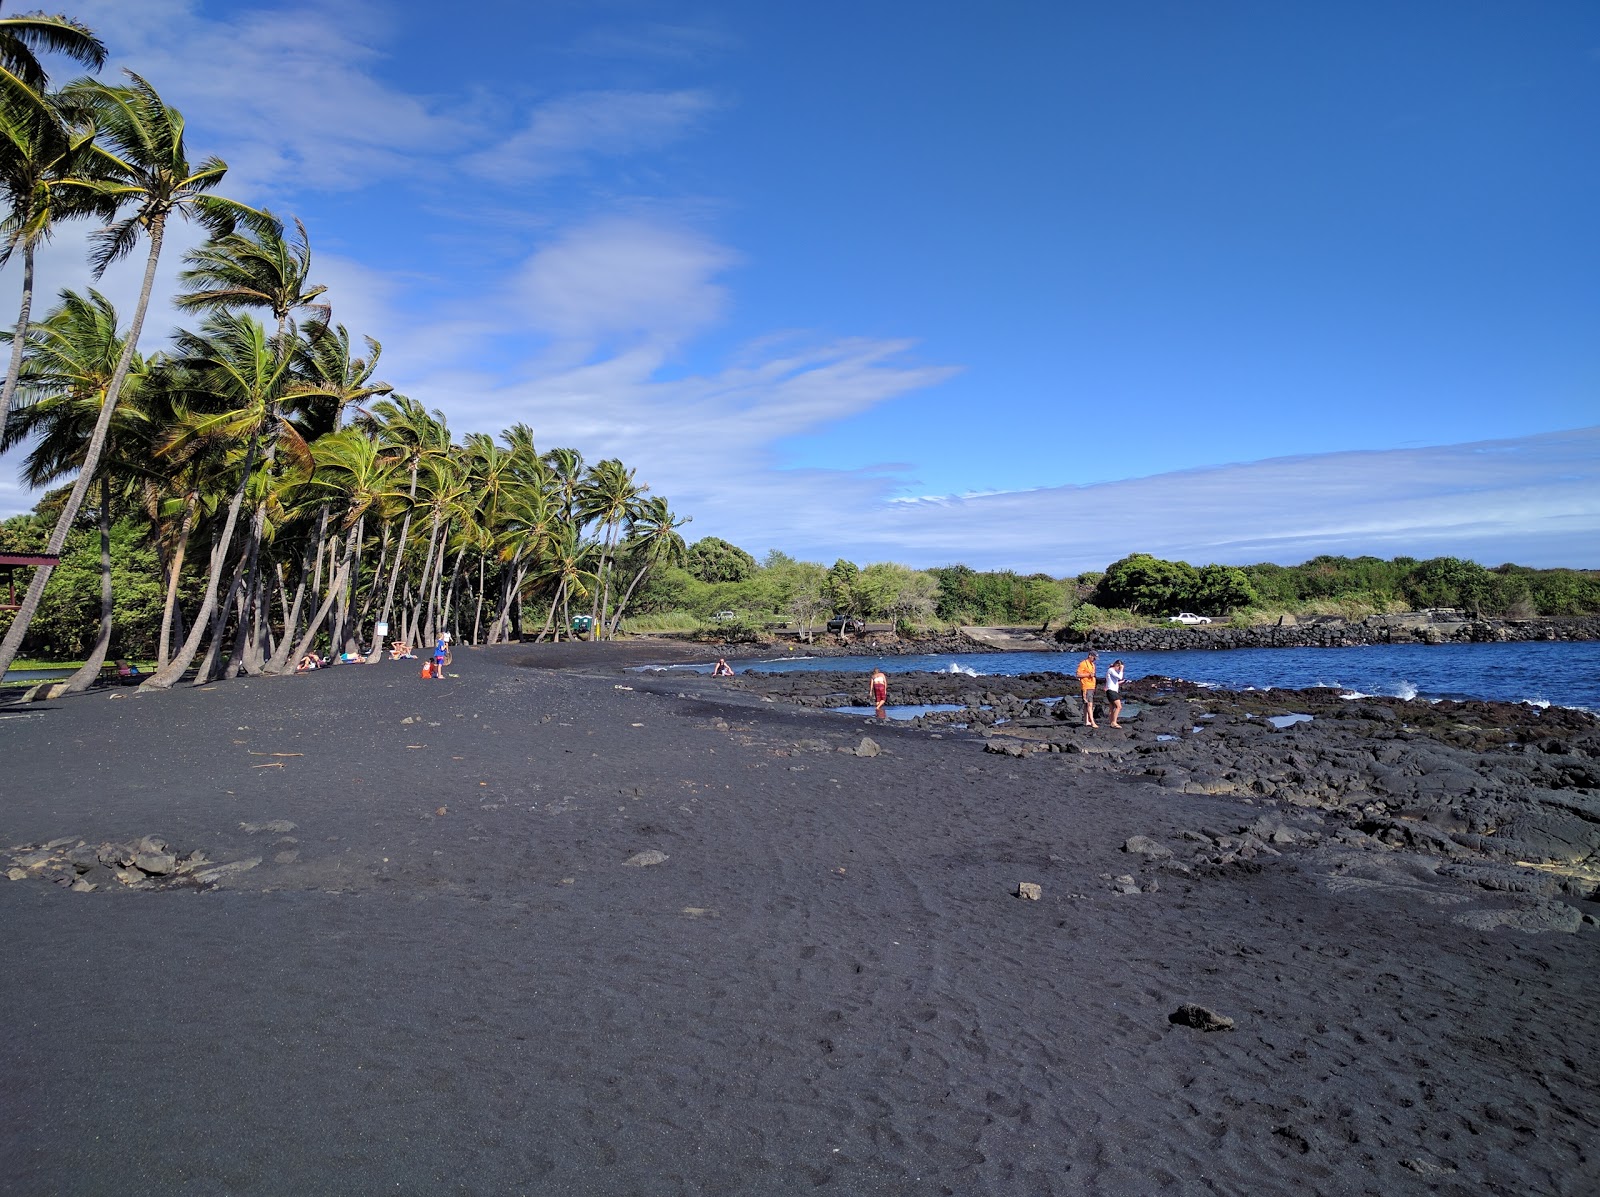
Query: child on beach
<point x="721" y="668"/>
<point x="440" y="650"/>
<point x="1086" y="681"/>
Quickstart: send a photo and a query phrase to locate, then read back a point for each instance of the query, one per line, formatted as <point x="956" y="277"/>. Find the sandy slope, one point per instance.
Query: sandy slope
<point x="445" y="979"/>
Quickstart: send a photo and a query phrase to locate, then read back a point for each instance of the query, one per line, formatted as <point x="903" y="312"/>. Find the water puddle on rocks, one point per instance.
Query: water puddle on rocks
<point x="1282" y="721"/>
<point x="905" y="712"/>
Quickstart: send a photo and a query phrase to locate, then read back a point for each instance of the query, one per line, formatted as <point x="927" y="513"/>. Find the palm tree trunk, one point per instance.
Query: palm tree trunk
<point x="310" y="637"/>
<point x="19" y="335"/>
<point x="171" y="606"/>
<point x="91" y="458"/>
<point x="219" y="625"/>
<point x="622" y="604"/>
<point x="477" y="619"/>
<point x="551" y="618"/>
<point x="291" y="622"/>
<point x="399" y="560"/>
<point x="89" y="672"/>
<point x="169" y="673"/>
<point x="258" y="523"/>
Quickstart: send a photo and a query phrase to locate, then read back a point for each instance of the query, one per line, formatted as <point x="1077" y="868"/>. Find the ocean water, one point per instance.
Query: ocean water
<point x="1542" y="672"/>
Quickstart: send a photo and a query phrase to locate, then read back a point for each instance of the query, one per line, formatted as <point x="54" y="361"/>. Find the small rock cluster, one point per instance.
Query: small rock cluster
<point x="144" y="863"/>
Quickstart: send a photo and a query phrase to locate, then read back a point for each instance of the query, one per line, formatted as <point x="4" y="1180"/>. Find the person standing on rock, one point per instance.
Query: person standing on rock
<point x="1086" y="682"/>
<point x="880" y="692"/>
<point x="1114" y="692"/>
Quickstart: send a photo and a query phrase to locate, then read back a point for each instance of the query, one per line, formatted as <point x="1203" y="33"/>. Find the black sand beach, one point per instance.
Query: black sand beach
<point x="444" y="975"/>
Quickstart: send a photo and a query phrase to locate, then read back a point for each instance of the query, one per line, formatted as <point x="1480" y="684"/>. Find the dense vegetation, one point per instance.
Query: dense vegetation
<point x="253" y="489"/>
<point x="718" y="577"/>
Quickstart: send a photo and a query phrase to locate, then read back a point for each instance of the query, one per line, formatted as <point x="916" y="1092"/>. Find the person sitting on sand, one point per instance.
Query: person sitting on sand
<point x="401" y="651"/>
<point x="1114" y="691"/>
<point x="307" y="663"/>
<point x="722" y="668"/>
<point x="1086" y="681"/>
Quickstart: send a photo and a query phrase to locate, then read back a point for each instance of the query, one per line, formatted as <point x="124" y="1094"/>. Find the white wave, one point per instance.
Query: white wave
<point x="953" y="667"/>
<point x="1542" y="703"/>
<point x="1406" y="691"/>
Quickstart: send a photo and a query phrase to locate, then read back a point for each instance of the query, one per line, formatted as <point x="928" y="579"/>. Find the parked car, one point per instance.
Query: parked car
<point x="847" y="623"/>
<point x="1188" y="617"/>
<point x="724" y="616"/>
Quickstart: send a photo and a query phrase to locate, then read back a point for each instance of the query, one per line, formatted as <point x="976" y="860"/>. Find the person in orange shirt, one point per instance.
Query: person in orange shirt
<point x="1086" y="680"/>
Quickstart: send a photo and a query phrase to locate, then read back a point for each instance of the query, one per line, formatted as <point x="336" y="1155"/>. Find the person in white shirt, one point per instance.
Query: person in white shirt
<point x="1114" y="691"/>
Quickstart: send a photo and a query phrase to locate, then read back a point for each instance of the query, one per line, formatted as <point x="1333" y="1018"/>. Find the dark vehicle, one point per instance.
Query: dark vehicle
<point x="847" y="623"/>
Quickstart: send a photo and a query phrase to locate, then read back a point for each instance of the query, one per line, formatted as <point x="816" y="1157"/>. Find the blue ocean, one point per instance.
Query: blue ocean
<point x="1558" y="673"/>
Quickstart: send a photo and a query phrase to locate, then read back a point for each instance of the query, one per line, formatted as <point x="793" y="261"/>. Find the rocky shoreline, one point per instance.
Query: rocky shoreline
<point x="1424" y="627"/>
<point x="1460" y="797"/>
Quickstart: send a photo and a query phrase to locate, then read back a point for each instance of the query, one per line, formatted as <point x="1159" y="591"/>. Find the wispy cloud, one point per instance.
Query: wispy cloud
<point x="624" y="277"/>
<point x="564" y="134"/>
<point x="294" y="91"/>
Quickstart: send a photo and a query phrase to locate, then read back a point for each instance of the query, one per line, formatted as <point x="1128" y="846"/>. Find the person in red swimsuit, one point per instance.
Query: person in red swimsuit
<point x="880" y="692"/>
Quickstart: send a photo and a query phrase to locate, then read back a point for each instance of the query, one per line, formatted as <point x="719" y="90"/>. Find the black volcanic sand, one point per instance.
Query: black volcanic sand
<point x="444" y="977"/>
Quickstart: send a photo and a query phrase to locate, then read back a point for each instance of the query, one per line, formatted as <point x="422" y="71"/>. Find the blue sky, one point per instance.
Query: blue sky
<point x="1024" y="284"/>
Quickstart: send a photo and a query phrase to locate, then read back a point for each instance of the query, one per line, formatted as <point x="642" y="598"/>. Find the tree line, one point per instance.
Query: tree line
<point x="1147" y="585"/>
<point x="717" y="577"/>
<point x="255" y="472"/>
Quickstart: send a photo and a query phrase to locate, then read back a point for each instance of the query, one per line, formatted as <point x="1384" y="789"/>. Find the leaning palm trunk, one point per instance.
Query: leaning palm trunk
<point x="306" y="641"/>
<point x="91" y="457"/>
<point x="89" y="672"/>
<point x="169" y="673"/>
<point x="19" y="335"/>
<point x="399" y="562"/>
<point x="207" y="669"/>
<point x="291" y="621"/>
<point x="622" y="603"/>
<point x="551" y="618"/>
<point x="477" y="619"/>
<point x="171" y="606"/>
<point x="258" y="523"/>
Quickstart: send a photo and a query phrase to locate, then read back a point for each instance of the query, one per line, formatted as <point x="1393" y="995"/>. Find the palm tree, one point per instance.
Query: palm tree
<point x="234" y="373"/>
<point x="148" y="168"/>
<point x="410" y="435"/>
<point x="68" y="362"/>
<point x="351" y="469"/>
<point x="262" y="269"/>
<point x="654" y="540"/>
<point x="39" y="150"/>
<point x="22" y="78"/>
<point x="607" y="497"/>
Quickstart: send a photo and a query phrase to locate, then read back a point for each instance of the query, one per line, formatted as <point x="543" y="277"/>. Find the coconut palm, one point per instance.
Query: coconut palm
<point x="410" y="435"/>
<point x="233" y="373"/>
<point x="606" y="497"/>
<point x="22" y="38"/>
<point x="147" y="166"/>
<point x="253" y="269"/>
<point x="653" y="541"/>
<point x="68" y="362"/>
<point x="40" y="148"/>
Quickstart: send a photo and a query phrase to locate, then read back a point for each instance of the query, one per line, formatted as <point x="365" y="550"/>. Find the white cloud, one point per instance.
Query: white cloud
<point x="289" y="94"/>
<point x="562" y="134"/>
<point x="1534" y="500"/>
<point x="624" y="277"/>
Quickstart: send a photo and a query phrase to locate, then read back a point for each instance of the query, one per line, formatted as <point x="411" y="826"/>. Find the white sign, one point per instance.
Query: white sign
<point x="382" y="629"/>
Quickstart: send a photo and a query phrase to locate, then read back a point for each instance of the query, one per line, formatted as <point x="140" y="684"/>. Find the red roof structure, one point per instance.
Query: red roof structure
<point x="9" y="563"/>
